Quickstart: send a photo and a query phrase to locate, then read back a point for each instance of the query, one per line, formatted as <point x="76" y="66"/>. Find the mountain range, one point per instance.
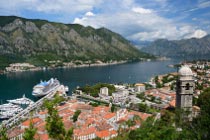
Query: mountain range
<point x="193" y="48"/>
<point x="41" y="41"/>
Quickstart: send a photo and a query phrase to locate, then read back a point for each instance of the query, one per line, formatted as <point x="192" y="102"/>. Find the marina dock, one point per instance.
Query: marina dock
<point x="35" y="106"/>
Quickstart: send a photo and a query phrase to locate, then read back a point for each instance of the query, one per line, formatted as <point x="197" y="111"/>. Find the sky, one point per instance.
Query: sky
<point x="136" y="20"/>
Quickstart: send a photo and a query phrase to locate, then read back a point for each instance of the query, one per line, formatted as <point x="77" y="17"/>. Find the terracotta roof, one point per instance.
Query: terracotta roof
<point x="103" y="125"/>
<point x="143" y="116"/>
<point x="41" y="136"/>
<point x="173" y="103"/>
<point x="84" y="131"/>
<point x="113" y="132"/>
<point x="34" y="121"/>
<point x="14" y="132"/>
<point x="41" y="127"/>
<point x="66" y="112"/>
<point x="67" y="124"/>
<point x="103" y="134"/>
<point x="101" y="108"/>
<point x="109" y="115"/>
<point x="43" y="112"/>
<point x="66" y="105"/>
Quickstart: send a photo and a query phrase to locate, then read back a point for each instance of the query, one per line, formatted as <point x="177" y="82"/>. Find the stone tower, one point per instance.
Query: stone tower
<point x="185" y="89"/>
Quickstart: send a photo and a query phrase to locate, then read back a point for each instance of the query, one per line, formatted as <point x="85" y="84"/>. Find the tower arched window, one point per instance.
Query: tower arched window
<point x="187" y="87"/>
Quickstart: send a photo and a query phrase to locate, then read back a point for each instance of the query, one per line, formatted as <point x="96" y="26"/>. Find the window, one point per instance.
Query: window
<point x="187" y="86"/>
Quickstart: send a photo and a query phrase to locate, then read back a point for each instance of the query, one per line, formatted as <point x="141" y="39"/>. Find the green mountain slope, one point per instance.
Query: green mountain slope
<point x="40" y="41"/>
<point x="186" y="48"/>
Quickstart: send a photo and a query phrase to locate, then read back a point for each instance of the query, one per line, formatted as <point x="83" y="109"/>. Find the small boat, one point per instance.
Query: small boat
<point x="21" y="101"/>
<point x="8" y="106"/>
<point x="66" y="89"/>
<point x="4" y="117"/>
<point x="9" y="110"/>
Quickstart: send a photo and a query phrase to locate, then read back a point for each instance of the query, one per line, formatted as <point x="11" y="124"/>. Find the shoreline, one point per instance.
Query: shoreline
<point x="73" y="65"/>
<point x="67" y="66"/>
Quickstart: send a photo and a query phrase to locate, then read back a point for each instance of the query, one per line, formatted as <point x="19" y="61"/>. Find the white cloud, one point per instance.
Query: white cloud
<point x="140" y="24"/>
<point x="89" y="14"/>
<point x="128" y="17"/>
<point x="50" y="6"/>
<point x="141" y="10"/>
<point x="204" y="4"/>
<point x="198" y="34"/>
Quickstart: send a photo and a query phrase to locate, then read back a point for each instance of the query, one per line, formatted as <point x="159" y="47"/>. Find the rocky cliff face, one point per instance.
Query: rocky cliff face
<point x="186" y="49"/>
<point x="37" y="41"/>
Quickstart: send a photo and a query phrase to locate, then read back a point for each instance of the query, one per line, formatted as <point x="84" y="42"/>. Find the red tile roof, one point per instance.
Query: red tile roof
<point x="41" y="137"/>
<point x="84" y="132"/>
<point x="109" y="115"/>
<point x="102" y="134"/>
<point x="34" y="121"/>
<point x="14" y="132"/>
<point x="173" y="103"/>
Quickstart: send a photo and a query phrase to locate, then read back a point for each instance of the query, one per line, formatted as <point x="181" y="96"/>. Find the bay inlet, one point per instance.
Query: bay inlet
<point x="14" y="85"/>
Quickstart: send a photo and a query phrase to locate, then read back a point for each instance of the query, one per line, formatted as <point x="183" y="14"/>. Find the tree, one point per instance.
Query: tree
<point x="200" y="128"/>
<point x="142" y="107"/>
<point x="113" y="108"/>
<point x="3" y="133"/>
<point x="76" y="115"/>
<point x="29" y="132"/>
<point x="54" y="124"/>
<point x="69" y="134"/>
<point x="172" y="86"/>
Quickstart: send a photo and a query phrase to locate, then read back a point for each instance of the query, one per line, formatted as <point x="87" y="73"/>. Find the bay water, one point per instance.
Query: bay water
<point x="14" y="85"/>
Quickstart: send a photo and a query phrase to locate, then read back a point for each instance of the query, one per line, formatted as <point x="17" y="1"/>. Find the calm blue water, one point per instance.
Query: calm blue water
<point x="14" y="85"/>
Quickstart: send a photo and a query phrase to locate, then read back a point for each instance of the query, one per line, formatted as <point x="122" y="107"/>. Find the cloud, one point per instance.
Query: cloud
<point x="139" y="24"/>
<point x="141" y="10"/>
<point x="204" y="4"/>
<point x="198" y="34"/>
<point x="200" y="5"/>
<point x="89" y="14"/>
<point x="50" y="6"/>
<point x="135" y="20"/>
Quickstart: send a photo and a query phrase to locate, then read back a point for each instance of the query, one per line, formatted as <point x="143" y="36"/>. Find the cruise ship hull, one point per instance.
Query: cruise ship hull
<point x="38" y="95"/>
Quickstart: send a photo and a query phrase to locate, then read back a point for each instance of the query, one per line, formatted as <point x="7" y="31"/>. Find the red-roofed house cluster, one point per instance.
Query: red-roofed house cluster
<point x="166" y="98"/>
<point x="91" y="123"/>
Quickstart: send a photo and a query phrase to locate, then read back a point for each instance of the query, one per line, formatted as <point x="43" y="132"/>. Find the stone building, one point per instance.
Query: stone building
<point x="184" y="90"/>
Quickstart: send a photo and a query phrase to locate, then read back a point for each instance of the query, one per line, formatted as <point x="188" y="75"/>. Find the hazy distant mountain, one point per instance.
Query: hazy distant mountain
<point x="185" y="48"/>
<point x="36" y="41"/>
<point x="141" y="44"/>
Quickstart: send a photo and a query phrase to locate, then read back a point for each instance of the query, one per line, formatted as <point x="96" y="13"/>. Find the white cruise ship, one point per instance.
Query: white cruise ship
<point x="44" y="87"/>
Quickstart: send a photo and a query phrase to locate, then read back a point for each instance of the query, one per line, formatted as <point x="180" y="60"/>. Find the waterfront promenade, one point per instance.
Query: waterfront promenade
<point x="26" y="112"/>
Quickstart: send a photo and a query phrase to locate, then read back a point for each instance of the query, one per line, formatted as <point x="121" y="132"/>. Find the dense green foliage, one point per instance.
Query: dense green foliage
<point x="158" y="84"/>
<point x="29" y="132"/>
<point x="113" y="108"/>
<point x="193" y="48"/>
<point x="172" y="126"/>
<point x="168" y="78"/>
<point x="201" y="124"/>
<point x="38" y="41"/>
<point x="142" y="107"/>
<point x="54" y="123"/>
<point x="76" y="115"/>
<point x="95" y="89"/>
<point x="3" y="133"/>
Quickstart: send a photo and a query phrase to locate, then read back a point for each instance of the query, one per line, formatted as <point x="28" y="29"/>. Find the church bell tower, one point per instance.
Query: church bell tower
<point x="185" y="89"/>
